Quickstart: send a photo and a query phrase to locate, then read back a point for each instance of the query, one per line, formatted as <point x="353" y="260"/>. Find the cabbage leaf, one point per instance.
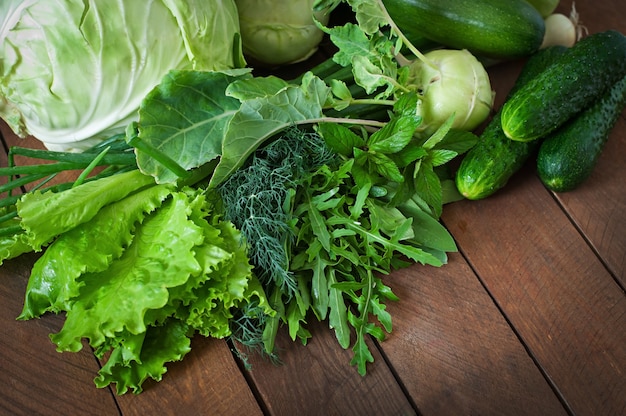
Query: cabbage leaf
<point x="74" y="72"/>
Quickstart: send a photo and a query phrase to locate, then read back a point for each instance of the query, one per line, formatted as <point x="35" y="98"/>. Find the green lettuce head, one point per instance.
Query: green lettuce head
<point x="73" y="72"/>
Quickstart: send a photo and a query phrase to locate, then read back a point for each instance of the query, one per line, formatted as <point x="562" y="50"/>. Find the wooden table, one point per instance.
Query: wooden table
<point x="529" y="318"/>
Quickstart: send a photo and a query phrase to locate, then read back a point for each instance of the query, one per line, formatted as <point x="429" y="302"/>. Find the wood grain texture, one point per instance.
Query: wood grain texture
<point x="317" y="379"/>
<point x="598" y="206"/>
<point x="453" y="350"/>
<point x="206" y="381"/>
<point x="529" y="318"/>
<point x="34" y="378"/>
<point x="552" y="288"/>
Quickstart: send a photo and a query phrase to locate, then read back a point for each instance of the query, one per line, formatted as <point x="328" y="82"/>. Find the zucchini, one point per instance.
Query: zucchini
<point x="573" y="83"/>
<point x="567" y="157"/>
<point x="488" y="166"/>
<point x="500" y="29"/>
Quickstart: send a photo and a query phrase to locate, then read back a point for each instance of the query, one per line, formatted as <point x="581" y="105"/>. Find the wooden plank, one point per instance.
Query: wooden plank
<point x="317" y="379"/>
<point x="598" y="207"/>
<point x="565" y="306"/>
<point x="453" y="350"/>
<point x="34" y="378"/>
<point x="206" y="381"/>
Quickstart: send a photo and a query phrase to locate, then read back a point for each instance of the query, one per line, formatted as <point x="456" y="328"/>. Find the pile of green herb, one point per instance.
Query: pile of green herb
<point x="258" y="202"/>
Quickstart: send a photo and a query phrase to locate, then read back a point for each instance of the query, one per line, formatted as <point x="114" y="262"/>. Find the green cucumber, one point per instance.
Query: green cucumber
<point x="567" y="157"/>
<point x="490" y="28"/>
<point x="545" y="7"/>
<point x="489" y="165"/>
<point x="573" y="83"/>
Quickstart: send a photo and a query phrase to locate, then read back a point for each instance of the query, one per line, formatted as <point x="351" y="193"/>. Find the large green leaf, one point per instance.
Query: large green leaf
<point x="157" y="346"/>
<point x="89" y="247"/>
<point x="161" y="256"/>
<point x="47" y="215"/>
<point x="258" y="119"/>
<point x="184" y="118"/>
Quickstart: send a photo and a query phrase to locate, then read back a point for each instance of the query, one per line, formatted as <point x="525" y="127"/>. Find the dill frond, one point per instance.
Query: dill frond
<point x="256" y="199"/>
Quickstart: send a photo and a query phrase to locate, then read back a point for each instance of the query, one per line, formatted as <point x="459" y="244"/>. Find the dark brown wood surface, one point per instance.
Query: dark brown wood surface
<point x="528" y="318"/>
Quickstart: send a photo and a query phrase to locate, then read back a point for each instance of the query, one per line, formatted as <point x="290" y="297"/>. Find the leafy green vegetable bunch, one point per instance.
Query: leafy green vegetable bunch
<point x="257" y="202"/>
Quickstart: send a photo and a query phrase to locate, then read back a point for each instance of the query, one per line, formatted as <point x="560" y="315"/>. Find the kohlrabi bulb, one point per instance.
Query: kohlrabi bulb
<point x="450" y="82"/>
<point x="278" y="32"/>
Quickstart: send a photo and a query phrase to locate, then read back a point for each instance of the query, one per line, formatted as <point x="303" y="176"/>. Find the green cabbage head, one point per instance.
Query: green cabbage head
<point x="73" y="72"/>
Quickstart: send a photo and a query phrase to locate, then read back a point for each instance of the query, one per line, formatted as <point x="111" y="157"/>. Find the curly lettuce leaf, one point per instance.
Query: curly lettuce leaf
<point x="156" y="347"/>
<point x="13" y="246"/>
<point x="88" y="248"/>
<point x="161" y="256"/>
<point x="45" y="215"/>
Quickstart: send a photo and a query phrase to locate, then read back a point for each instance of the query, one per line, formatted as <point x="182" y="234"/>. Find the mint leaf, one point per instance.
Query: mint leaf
<point x="339" y="138"/>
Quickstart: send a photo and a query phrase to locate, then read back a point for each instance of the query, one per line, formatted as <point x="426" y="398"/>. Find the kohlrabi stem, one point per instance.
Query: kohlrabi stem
<point x="372" y="101"/>
<point x="396" y="30"/>
<point x="361" y="122"/>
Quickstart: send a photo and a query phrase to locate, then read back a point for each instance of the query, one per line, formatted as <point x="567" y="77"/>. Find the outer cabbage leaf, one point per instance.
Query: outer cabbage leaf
<point x="73" y="72"/>
<point x="89" y="247"/>
<point x="185" y="118"/>
<point x="47" y="215"/>
<point x="161" y="256"/>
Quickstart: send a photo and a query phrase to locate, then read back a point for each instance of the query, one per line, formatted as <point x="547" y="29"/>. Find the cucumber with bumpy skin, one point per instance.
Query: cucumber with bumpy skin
<point x="567" y="157"/>
<point x="573" y="83"/>
<point x="490" y="28"/>
<point x="489" y="165"/>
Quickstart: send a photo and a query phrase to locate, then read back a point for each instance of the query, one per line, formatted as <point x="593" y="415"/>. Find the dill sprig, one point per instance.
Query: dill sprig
<point x="257" y="200"/>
